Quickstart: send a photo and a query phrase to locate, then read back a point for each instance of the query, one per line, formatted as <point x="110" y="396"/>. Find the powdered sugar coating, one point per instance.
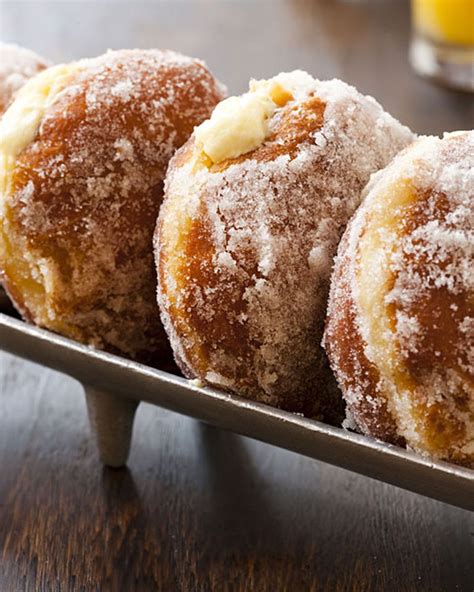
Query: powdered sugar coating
<point x="244" y="301"/>
<point x="410" y="375"/>
<point x="85" y="196"/>
<point x="17" y="65"/>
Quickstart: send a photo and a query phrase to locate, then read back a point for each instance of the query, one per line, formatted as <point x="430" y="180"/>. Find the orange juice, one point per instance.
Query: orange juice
<point x="446" y="21"/>
<point x="442" y="46"/>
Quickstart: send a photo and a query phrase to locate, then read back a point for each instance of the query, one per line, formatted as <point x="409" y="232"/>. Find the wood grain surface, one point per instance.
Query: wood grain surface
<point x="200" y="509"/>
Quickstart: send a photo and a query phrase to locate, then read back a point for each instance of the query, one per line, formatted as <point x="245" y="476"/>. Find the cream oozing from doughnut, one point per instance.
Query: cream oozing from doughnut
<point x="245" y="245"/>
<point x="21" y="121"/>
<point x="240" y="124"/>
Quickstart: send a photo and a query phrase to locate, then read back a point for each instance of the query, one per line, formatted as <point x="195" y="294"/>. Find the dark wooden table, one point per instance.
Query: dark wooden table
<point x="200" y="509"/>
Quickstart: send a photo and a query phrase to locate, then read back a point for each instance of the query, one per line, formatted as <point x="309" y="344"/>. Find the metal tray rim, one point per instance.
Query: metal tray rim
<point x="440" y="480"/>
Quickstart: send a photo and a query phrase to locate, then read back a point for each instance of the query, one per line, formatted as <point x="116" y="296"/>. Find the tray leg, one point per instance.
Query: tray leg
<point x="111" y="418"/>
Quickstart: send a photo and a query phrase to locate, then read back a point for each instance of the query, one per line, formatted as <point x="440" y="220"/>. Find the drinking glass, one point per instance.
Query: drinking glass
<point x="442" y="46"/>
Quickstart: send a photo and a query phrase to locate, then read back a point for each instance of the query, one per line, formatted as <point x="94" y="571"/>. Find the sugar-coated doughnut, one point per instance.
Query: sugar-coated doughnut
<point x="17" y="65"/>
<point x="83" y="153"/>
<point x="255" y="203"/>
<point x="400" y="324"/>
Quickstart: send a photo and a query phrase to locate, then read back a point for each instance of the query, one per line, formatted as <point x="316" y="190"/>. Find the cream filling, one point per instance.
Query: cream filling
<point x="20" y="123"/>
<point x="18" y="128"/>
<point x="240" y="124"/>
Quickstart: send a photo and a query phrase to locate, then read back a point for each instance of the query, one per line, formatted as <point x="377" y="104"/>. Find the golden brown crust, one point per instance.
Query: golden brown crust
<point x="438" y="310"/>
<point x="244" y="248"/>
<point x="294" y="125"/>
<point x="405" y="364"/>
<point x="223" y="329"/>
<point x="439" y="313"/>
<point x="86" y="193"/>
<point x="345" y="349"/>
<point x="199" y="253"/>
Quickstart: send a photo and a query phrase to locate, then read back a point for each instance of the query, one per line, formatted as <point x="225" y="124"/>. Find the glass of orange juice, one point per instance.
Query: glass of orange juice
<point x="442" y="46"/>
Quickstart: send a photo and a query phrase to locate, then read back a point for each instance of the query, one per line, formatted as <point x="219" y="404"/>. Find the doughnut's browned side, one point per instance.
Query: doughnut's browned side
<point x="224" y="291"/>
<point x="244" y="249"/>
<point x="85" y="194"/>
<point x="416" y="383"/>
<point x="344" y="346"/>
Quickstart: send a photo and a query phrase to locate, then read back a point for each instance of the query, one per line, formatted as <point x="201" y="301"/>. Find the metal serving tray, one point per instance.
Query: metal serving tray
<point x="115" y="385"/>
